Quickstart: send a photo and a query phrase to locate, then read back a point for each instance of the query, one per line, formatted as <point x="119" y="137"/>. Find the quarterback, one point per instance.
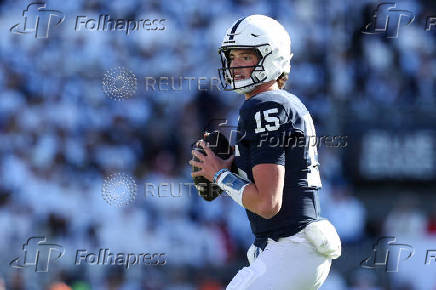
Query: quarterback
<point x="276" y="184"/>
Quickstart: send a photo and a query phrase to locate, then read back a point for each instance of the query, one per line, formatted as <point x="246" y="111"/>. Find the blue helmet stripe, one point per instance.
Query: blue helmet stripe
<point x="234" y="28"/>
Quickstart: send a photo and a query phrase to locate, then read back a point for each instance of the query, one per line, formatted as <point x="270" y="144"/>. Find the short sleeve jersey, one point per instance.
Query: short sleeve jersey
<point x="275" y="127"/>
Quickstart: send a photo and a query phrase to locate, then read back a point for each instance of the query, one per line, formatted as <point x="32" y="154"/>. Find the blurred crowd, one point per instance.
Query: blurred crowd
<point x="61" y="136"/>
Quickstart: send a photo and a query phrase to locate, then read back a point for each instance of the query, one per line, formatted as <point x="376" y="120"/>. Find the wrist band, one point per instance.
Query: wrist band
<point x="233" y="184"/>
<point x="218" y="173"/>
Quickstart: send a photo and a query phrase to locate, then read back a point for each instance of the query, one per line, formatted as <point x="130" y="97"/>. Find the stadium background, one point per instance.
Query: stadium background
<point x="61" y="136"/>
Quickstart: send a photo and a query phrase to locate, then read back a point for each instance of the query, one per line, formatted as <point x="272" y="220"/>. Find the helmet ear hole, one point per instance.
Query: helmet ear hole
<point x="266" y="50"/>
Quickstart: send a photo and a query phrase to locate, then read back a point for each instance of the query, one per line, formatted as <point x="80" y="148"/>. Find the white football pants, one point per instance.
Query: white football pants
<point x="297" y="262"/>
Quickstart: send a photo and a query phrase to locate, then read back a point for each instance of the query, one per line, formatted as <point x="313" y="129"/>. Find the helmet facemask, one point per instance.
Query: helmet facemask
<point x="257" y="76"/>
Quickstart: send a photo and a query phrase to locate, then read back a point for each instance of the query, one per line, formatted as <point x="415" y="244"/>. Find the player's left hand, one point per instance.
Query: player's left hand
<point x="210" y="163"/>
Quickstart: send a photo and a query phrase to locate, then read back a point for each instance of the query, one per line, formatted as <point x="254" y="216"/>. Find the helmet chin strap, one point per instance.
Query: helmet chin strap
<point x="245" y="89"/>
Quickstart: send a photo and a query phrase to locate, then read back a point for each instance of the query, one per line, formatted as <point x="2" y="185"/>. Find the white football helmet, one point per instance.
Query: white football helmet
<point x="272" y="43"/>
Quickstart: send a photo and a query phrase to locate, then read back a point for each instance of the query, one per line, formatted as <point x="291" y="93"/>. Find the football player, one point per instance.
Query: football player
<point x="277" y="182"/>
